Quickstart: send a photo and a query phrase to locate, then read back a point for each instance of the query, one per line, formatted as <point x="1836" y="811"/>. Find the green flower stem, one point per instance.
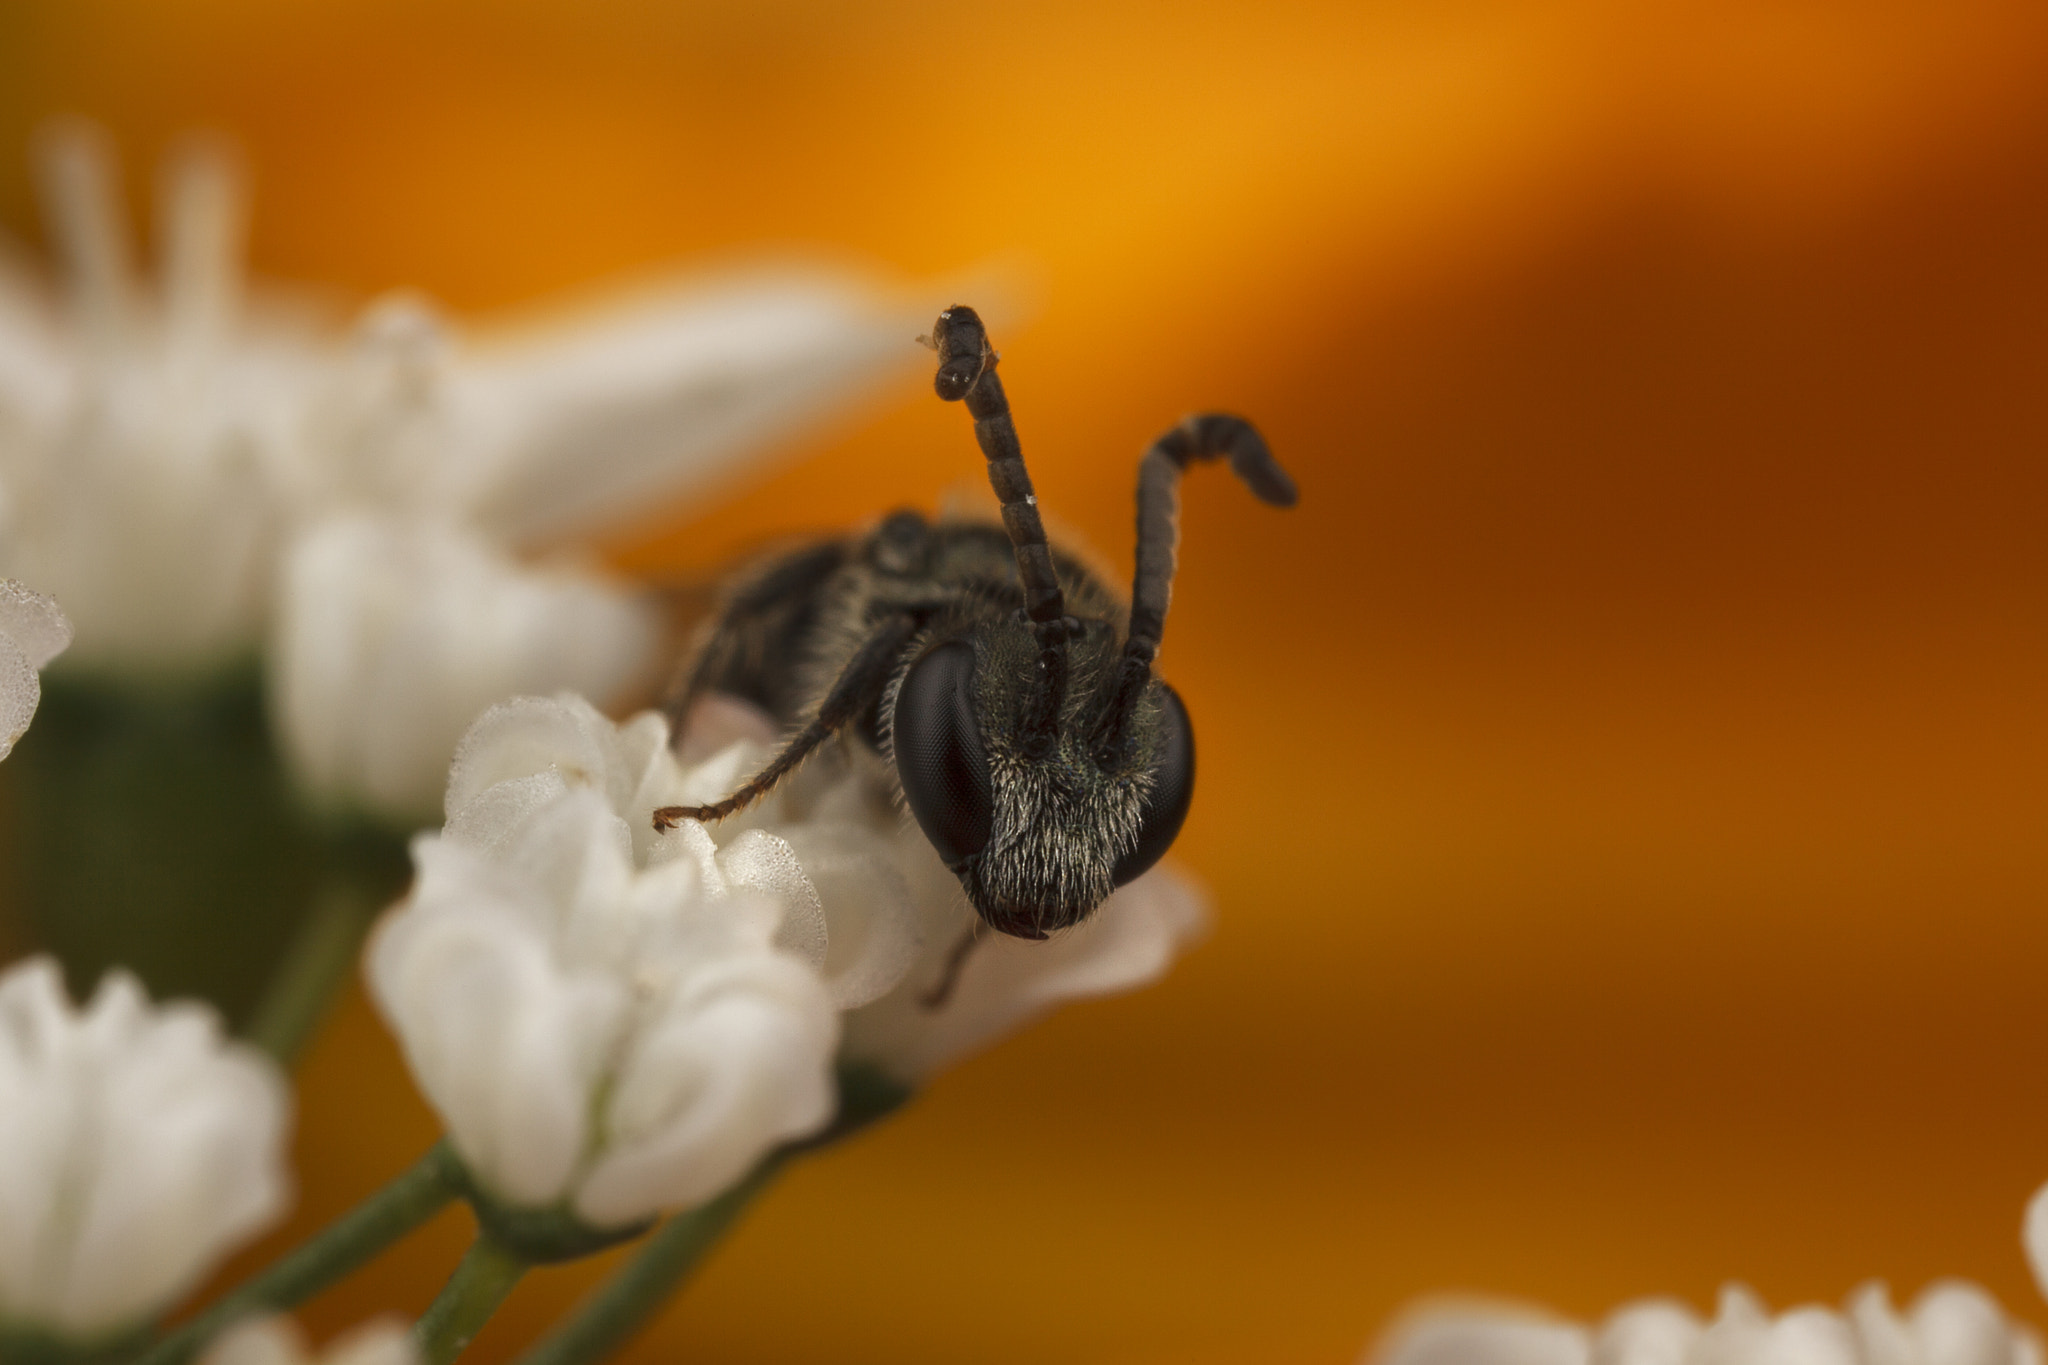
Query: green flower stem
<point x="480" y="1283"/>
<point x="606" y="1319"/>
<point x="314" y="968"/>
<point x="343" y="1246"/>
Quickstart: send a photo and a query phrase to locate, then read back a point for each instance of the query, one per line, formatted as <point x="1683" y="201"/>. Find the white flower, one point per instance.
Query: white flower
<point x="142" y="434"/>
<point x="1952" y="1323"/>
<point x="277" y="1340"/>
<point x="602" y="1019"/>
<point x="137" y="1147"/>
<point x="32" y="632"/>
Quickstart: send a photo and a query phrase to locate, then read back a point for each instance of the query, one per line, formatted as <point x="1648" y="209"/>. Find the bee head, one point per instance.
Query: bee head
<point x="1045" y="762"/>
<point x="1039" y="821"/>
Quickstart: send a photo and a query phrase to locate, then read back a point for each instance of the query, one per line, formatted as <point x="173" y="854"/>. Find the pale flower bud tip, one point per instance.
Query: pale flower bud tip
<point x="2034" y="1237"/>
<point x="1480" y="1332"/>
<point x="277" y="1340"/>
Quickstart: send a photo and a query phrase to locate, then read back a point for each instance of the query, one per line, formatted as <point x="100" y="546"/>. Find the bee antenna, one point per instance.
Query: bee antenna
<point x="1207" y="436"/>
<point x="967" y="370"/>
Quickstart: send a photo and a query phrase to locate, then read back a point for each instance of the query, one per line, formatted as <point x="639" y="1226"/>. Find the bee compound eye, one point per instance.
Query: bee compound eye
<point x="1173" y="787"/>
<point x="939" y="757"/>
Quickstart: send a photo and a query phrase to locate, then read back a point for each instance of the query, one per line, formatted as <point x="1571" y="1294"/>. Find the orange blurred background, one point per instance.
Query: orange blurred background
<point x="1624" y="777"/>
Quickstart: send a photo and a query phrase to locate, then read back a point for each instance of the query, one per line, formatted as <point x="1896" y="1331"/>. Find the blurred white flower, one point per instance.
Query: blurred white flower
<point x="446" y="463"/>
<point x="137" y="1147"/>
<point x="180" y="465"/>
<point x="277" y="1340"/>
<point x="143" y="434"/>
<point x="602" y="1019"/>
<point x="33" y="631"/>
<point x="395" y="635"/>
<point x="1952" y="1323"/>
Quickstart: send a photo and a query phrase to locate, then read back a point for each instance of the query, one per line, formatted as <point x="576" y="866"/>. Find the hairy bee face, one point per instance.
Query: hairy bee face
<point x="1038" y="833"/>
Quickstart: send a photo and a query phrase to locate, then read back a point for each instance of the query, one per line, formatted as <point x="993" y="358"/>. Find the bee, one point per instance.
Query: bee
<point x="1006" y="687"/>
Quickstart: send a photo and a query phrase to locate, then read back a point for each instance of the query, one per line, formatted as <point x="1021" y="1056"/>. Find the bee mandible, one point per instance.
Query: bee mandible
<point x="1006" y="688"/>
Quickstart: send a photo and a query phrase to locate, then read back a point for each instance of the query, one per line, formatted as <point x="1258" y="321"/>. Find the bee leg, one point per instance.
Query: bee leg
<point x="860" y="682"/>
<point x="949" y="974"/>
<point x="743" y="619"/>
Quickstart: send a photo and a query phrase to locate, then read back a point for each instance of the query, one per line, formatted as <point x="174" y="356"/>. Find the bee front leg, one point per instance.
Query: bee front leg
<point x="860" y="683"/>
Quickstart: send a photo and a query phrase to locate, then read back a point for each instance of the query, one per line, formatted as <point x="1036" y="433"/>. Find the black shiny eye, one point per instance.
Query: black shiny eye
<point x="1173" y="787"/>
<point x="939" y="755"/>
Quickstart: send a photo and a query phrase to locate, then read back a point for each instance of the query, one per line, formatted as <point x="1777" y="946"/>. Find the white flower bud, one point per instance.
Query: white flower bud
<point x="32" y="632"/>
<point x="1952" y="1323"/>
<point x="277" y="1340"/>
<point x="392" y="635"/>
<point x="137" y="1147"/>
<point x="601" y="1016"/>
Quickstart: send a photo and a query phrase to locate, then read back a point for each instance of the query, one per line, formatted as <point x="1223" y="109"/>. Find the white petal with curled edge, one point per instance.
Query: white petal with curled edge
<point x="506" y="1043"/>
<point x="735" y="1065"/>
<point x="524" y="736"/>
<point x="765" y="865"/>
<point x="34" y="622"/>
<point x="1482" y="1334"/>
<point x="874" y="932"/>
<point x="1126" y="943"/>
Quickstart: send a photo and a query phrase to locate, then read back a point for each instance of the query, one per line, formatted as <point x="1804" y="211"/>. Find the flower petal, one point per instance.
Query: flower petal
<point x="1129" y="941"/>
<point x="34" y="622"/>
<point x="1956" y="1323"/>
<point x="591" y="413"/>
<point x="1653" y="1332"/>
<point x="735" y="1065"/>
<point x="506" y="1043"/>
<point x="1483" y="1334"/>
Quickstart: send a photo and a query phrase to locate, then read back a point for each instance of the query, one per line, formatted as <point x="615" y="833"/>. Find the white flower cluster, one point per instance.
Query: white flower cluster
<point x="625" y="1020"/>
<point x="137" y="1147"/>
<point x="1952" y="1323"/>
<point x="199" y="474"/>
